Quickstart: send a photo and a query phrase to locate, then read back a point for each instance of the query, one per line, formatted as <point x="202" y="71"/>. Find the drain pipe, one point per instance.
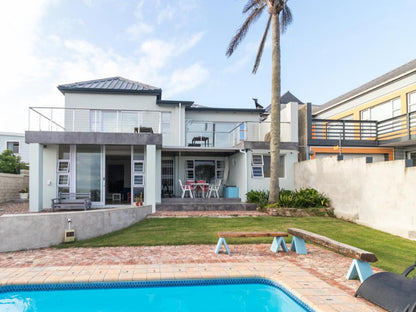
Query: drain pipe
<point x="243" y="151"/>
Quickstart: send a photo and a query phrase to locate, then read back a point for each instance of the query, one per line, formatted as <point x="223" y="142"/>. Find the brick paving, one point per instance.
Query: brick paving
<point x="317" y="278"/>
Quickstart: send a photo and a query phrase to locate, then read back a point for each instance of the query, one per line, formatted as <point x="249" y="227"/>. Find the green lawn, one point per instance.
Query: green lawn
<point x="394" y="253"/>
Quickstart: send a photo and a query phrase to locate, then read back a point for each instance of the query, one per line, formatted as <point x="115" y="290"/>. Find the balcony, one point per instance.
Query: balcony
<point x="229" y="134"/>
<point x="91" y="120"/>
<point x="392" y="131"/>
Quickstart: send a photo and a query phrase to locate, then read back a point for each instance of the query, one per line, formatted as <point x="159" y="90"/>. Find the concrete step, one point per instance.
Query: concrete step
<point x="205" y="206"/>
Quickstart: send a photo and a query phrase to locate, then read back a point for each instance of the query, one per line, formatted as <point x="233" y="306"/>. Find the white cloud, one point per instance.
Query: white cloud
<point x="186" y="79"/>
<point x="140" y="28"/>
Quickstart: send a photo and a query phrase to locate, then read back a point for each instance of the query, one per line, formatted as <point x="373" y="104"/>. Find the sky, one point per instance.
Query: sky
<point x="179" y="46"/>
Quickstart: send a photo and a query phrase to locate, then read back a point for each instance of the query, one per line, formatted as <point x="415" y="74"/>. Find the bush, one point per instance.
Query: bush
<point x="261" y="198"/>
<point x="303" y="198"/>
<point x="10" y="163"/>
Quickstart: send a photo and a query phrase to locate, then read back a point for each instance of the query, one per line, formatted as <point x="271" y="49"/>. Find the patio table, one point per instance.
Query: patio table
<point x="200" y="186"/>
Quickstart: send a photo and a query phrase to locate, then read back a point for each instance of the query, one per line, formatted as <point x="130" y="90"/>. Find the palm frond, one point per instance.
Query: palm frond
<point x="285" y="18"/>
<point x="261" y="47"/>
<point x="241" y="33"/>
<point x="251" y="3"/>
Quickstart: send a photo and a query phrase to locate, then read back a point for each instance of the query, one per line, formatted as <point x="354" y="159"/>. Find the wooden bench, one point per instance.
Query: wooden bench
<point x="278" y="240"/>
<point x="73" y="200"/>
<point x="360" y="265"/>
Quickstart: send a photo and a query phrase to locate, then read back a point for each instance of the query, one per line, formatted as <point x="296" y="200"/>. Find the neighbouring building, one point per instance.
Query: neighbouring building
<point x="377" y="119"/>
<point x="16" y="143"/>
<point x="117" y="136"/>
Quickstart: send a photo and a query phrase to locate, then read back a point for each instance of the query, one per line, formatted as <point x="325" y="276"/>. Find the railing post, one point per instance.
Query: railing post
<point x="408" y="124"/>
<point x="343" y="129"/>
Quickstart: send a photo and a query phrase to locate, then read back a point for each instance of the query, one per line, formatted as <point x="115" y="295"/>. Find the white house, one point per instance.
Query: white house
<point x="117" y="136"/>
<point x="16" y="143"/>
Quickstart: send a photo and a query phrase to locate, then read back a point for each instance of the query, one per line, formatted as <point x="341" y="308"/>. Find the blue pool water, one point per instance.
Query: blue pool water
<point x="189" y="295"/>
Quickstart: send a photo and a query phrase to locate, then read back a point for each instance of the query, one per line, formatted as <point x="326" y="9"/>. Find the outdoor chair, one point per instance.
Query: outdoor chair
<point x="214" y="189"/>
<point x="186" y="188"/>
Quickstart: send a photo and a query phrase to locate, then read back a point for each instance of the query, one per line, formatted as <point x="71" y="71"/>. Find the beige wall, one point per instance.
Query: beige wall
<point x="11" y="184"/>
<point x="380" y="195"/>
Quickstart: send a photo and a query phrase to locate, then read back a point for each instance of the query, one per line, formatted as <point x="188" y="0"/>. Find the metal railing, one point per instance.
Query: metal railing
<point x="356" y="132"/>
<point x="90" y="120"/>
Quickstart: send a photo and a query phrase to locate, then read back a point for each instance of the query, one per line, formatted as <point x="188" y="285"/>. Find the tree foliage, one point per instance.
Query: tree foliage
<point x="11" y="163"/>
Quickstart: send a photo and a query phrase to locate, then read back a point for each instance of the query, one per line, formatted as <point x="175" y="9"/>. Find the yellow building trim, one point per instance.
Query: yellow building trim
<point x="402" y="93"/>
<point x="353" y="150"/>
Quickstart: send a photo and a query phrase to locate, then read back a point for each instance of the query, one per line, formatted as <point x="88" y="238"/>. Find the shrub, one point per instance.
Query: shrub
<point x="10" y="163"/>
<point x="260" y="198"/>
<point x="303" y="198"/>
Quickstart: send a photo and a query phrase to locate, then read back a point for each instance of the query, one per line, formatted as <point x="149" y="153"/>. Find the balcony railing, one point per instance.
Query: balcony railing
<point x="89" y="120"/>
<point x="362" y="133"/>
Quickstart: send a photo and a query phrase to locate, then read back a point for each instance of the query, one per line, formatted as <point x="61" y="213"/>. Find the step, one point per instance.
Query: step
<point x="206" y="206"/>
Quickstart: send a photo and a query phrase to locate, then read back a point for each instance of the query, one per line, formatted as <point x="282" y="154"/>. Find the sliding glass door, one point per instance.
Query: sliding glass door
<point x="89" y="171"/>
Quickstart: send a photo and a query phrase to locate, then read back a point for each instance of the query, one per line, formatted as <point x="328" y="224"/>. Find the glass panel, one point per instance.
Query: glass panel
<point x="282" y="167"/>
<point x="129" y="121"/>
<point x="88" y="171"/>
<point x="13" y="146"/>
<point x="95" y="124"/>
<point x="257" y="160"/>
<point x="138" y="153"/>
<point x="64" y="152"/>
<point x="205" y="170"/>
<point x="138" y="180"/>
<point x="138" y="167"/>
<point x="63" y="180"/>
<point x="63" y="166"/>
<point x="166" y="122"/>
<point x="257" y="172"/>
<point x="411" y="102"/>
<point x="109" y="123"/>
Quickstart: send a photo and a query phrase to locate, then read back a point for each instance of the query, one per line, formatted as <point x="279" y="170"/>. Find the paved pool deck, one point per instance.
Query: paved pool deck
<point x="317" y="278"/>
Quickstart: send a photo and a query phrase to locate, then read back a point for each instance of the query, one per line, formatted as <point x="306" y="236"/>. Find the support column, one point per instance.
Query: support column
<point x="36" y="177"/>
<point x="150" y="177"/>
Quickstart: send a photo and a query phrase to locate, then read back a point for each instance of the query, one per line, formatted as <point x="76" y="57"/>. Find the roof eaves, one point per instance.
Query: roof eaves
<point x="221" y="109"/>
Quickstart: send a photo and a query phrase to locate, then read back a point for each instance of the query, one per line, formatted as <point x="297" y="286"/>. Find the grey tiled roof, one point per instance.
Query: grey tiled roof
<point x="286" y="98"/>
<point x="391" y="75"/>
<point x="110" y="85"/>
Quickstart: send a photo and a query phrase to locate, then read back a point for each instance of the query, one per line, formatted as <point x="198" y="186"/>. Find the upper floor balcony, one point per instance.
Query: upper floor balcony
<point x="193" y="133"/>
<point x="398" y="130"/>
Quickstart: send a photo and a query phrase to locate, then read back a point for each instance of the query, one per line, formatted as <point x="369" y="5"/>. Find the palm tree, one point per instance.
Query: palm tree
<point x="280" y="17"/>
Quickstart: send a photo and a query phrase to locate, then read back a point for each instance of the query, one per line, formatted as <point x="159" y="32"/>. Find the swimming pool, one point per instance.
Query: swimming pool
<point x="247" y="294"/>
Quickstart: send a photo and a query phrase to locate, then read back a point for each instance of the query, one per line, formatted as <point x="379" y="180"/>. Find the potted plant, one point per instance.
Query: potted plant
<point x="141" y="199"/>
<point x="138" y="200"/>
<point x="24" y="193"/>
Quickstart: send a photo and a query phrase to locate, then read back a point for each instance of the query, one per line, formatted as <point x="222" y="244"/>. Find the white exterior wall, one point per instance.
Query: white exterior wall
<point x="288" y="124"/>
<point x="368" y="97"/>
<point x="286" y="182"/>
<point x="221" y="116"/>
<point x="15" y="137"/>
<point x="238" y="175"/>
<point x="379" y="195"/>
<point x="50" y="156"/>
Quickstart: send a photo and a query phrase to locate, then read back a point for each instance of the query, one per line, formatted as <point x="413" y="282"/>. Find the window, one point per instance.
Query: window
<point x="260" y="166"/>
<point x="138" y="173"/>
<point x="189" y="170"/>
<point x="165" y="123"/>
<point x="13" y="146"/>
<point x="382" y="111"/>
<point x="411" y="102"/>
<point x="63" y="168"/>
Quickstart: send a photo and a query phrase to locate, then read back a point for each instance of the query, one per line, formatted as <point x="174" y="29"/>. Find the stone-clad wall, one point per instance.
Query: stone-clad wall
<point x="11" y="184"/>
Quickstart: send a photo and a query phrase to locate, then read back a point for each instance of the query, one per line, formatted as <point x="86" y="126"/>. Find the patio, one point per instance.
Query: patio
<point x="317" y="278"/>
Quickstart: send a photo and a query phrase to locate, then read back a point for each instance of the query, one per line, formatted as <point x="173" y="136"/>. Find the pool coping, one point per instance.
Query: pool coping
<point x="158" y="283"/>
<point x="314" y="292"/>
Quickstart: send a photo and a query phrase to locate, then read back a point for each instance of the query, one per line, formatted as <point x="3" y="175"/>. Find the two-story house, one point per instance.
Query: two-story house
<point x="117" y="136"/>
<point x="377" y="119"/>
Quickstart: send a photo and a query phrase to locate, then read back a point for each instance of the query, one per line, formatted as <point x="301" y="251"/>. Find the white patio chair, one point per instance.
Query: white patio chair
<point x="214" y="188"/>
<point x="186" y="188"/>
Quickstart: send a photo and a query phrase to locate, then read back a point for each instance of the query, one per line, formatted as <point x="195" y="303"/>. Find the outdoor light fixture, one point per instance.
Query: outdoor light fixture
<point x="69" y="234"/>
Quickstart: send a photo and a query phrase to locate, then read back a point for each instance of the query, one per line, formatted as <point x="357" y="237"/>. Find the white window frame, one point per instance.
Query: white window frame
<point x="256" y="165"/>
<point x="18" y="146"/>
<point x="138" y="173"/>
<point x="65" y="170"/>
<point x="59" y="180"/>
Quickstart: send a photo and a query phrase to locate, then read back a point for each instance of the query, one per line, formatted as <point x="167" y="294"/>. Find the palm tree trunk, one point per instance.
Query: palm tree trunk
<point x="275" y="112"/>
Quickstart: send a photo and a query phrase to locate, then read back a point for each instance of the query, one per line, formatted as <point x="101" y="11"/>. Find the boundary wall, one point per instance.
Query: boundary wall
<point x="380" y="195"/>
<point x="39" y="230"/>
<point x="11" y="184"/>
